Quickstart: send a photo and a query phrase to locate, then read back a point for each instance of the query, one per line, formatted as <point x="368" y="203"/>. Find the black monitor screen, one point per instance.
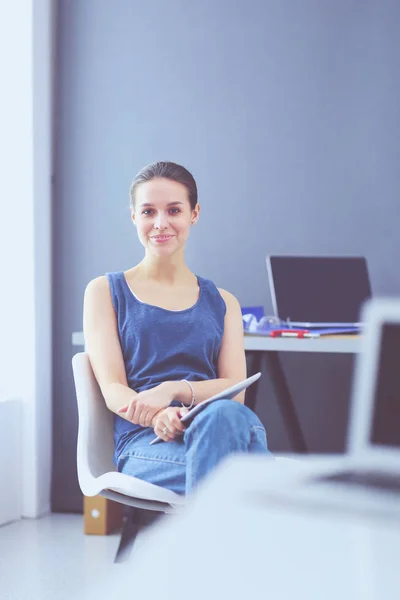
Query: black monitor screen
<point x="320" y="289"/>
<point x="386" y="417"/>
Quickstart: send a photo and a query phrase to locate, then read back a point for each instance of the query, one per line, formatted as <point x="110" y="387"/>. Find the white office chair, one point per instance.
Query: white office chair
<point x="97" y="474"/>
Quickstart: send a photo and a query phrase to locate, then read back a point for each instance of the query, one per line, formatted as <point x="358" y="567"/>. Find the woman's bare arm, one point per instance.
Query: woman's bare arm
<point x="103" y="346"/>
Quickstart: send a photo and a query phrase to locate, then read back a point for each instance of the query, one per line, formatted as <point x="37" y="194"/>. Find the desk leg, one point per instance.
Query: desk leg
<point x="285" y="401"/>
<point x="250" y="398"/>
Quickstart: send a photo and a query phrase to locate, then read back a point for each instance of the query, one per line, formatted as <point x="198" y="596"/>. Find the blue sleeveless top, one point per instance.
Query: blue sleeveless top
<point x="165" y="345"/>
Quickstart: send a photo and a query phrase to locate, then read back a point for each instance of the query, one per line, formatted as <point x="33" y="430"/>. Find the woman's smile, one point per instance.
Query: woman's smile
<point x="160" y="239"/>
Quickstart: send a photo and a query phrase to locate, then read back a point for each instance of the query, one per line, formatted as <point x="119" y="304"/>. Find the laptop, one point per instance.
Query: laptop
<point x="318" y="291"/>
<point x="367" y="478"/>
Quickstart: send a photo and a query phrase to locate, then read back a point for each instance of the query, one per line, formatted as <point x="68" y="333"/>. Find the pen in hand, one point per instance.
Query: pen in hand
<point x="178" y="412"/>
<point x="167" y="419"/>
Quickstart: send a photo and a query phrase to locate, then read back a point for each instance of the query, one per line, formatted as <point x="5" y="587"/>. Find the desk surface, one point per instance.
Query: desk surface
<point x="336" y="344"/>
<point x="339" y="344"/>
<point x="244" y="545"/>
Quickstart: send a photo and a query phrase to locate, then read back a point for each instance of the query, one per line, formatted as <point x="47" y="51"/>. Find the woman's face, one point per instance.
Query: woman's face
<point x="163" y="216"/>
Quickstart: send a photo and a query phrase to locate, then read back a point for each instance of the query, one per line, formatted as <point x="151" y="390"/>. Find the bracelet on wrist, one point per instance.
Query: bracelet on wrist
<point x="192" y="391"/>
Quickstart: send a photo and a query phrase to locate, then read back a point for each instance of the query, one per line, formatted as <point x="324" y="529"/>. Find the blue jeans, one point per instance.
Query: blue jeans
<point x="223" y="428"/>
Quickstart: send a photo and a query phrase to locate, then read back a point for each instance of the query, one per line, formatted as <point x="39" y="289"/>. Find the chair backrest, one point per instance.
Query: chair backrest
<point x="96" y="423"/>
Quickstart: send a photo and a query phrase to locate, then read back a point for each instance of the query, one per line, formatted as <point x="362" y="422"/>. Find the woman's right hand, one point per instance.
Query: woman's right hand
<point x="167" y="424"/>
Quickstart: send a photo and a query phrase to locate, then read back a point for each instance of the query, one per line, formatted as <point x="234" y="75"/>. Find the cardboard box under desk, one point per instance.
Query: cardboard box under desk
<point x="101" y="516"/>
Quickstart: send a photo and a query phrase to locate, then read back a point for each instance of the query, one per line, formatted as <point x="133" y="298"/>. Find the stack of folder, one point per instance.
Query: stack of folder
<point x="255" y="322"/>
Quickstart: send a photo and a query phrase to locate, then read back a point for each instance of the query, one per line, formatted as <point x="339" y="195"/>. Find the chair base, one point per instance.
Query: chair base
<point x="136" y="520"/>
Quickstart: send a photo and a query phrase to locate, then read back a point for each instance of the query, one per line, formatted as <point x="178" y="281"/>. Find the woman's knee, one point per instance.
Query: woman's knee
<point x="230" y="411"/>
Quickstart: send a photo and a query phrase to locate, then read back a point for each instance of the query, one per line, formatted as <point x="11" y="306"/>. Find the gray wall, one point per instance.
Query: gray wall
<point x="287" y="113"/>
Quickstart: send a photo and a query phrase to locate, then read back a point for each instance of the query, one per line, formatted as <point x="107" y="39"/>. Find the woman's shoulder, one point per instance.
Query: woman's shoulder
<point x="226" y="295"/>
<point x="96" y="285"/>
<point x="229" y="299"/>
<point x="104" y="285"/>
<point x="102" y="281"/>
<point x="98" y="295"/>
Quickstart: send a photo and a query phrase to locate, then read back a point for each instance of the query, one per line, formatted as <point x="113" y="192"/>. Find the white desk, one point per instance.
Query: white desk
<point x="258" y="346"/>
<point x="335" y="344"/>
<point x="234" y="541"/>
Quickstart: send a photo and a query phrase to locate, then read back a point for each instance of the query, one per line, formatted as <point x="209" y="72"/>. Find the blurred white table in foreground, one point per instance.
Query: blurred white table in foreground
<point x="235" y="541"/>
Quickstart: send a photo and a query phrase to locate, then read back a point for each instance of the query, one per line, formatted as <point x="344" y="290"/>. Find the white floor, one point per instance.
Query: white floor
<point x="51" y="558"/>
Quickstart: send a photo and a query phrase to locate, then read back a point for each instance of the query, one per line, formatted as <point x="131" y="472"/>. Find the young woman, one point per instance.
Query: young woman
<point x="161" y="339"/>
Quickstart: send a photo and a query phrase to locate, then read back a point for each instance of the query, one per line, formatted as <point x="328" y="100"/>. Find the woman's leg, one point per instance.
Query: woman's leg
<point x="223" y="428"/>
<point x="163" y="464"/>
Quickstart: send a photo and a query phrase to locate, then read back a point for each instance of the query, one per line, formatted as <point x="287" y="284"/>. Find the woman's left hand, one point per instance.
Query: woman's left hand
<point x="145" y="405"/>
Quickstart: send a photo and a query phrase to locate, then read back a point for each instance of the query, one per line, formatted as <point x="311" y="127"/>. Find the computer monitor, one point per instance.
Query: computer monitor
<point x="318" y="289"/>
<point x="385" y="430"/>
<point x="375" y="407"/>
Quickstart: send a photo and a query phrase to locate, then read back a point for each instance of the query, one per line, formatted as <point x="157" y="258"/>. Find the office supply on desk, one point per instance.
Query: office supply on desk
<point x="226" y="394"/>
<point x="318" y="291"/>
<point x="260" y="326"/>
<point x="368" y="477"/>
<point x="256" y="311"/>
<point x="273" y="327"/>
<point x="297" y="333"/>
<point x="315" y="332"/>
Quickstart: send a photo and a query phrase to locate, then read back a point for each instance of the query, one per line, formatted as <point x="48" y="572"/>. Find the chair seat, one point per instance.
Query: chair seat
<point x="96" y="470"/>
<point x="129" y="486"/>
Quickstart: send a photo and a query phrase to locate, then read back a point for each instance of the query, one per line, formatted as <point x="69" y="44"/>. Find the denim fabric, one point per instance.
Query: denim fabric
<point x="223" y="428"/>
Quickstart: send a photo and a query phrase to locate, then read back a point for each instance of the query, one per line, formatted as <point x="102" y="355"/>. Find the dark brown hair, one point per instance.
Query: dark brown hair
<point x="166" y="170"/>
